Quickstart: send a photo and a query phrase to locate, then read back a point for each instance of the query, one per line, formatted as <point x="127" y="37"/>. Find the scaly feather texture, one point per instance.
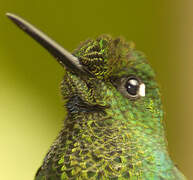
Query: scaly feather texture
<point x="106" y="135"/>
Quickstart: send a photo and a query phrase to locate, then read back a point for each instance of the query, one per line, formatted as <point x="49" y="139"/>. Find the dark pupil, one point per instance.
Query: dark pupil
<point x="132" y="89"/>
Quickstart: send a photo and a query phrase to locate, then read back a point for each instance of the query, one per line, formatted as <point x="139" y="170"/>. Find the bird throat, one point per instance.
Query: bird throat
<point x="109" y="144"/>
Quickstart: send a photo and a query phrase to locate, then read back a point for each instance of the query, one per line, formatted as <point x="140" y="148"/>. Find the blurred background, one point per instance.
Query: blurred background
<point x="31" y="108"/>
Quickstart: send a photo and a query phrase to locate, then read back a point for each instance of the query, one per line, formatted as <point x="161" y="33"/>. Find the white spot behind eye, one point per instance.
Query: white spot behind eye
<point x="142" y="90"/>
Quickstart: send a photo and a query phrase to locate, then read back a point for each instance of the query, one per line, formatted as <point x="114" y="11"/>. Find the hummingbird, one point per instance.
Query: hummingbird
<point x="114" y="125"/>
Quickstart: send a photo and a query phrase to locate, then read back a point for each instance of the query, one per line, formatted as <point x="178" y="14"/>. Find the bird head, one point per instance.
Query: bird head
<point x="106" y="75"/>
<point x="114" y="78"/>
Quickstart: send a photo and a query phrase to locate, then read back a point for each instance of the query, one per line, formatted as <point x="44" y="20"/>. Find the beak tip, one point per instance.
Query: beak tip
<point x="62" y="55"/>
<point x="9" y="15"/>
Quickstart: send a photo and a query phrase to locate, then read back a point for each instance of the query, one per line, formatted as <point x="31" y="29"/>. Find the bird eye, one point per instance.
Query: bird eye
<point x="135" y="88"/>
<point x="132" y="86"/>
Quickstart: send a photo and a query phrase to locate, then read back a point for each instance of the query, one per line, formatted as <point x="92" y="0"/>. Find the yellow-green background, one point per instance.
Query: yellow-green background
<point x="31" y="109"/>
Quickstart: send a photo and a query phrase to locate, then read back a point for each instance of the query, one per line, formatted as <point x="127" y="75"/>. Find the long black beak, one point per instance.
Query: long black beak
<point x="63" y="56"/>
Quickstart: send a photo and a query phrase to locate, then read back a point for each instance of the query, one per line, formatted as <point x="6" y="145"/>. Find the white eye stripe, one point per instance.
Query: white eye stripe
<point x="142" y="90"/>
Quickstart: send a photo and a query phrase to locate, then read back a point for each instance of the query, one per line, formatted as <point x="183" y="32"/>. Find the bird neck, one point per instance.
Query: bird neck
<point x="141" y="125"/>
<point x="112" y="143"/>
<point x="103" y="141"/>
<point x="97" y="145"/>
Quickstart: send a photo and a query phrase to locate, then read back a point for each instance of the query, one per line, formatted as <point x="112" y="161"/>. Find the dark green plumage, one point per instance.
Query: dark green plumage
<point x="114" y="125"/>
<point x="106" y="135"/>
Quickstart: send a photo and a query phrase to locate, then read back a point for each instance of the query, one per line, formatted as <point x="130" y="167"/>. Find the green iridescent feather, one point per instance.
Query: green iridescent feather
<point x="106" y="135"/>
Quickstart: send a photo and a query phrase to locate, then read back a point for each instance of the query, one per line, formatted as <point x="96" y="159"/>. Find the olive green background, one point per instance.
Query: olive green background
<point x="31" y="107"/>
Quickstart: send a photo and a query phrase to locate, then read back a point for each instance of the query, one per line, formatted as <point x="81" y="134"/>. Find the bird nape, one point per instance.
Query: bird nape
<point x="114" y="125"/>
